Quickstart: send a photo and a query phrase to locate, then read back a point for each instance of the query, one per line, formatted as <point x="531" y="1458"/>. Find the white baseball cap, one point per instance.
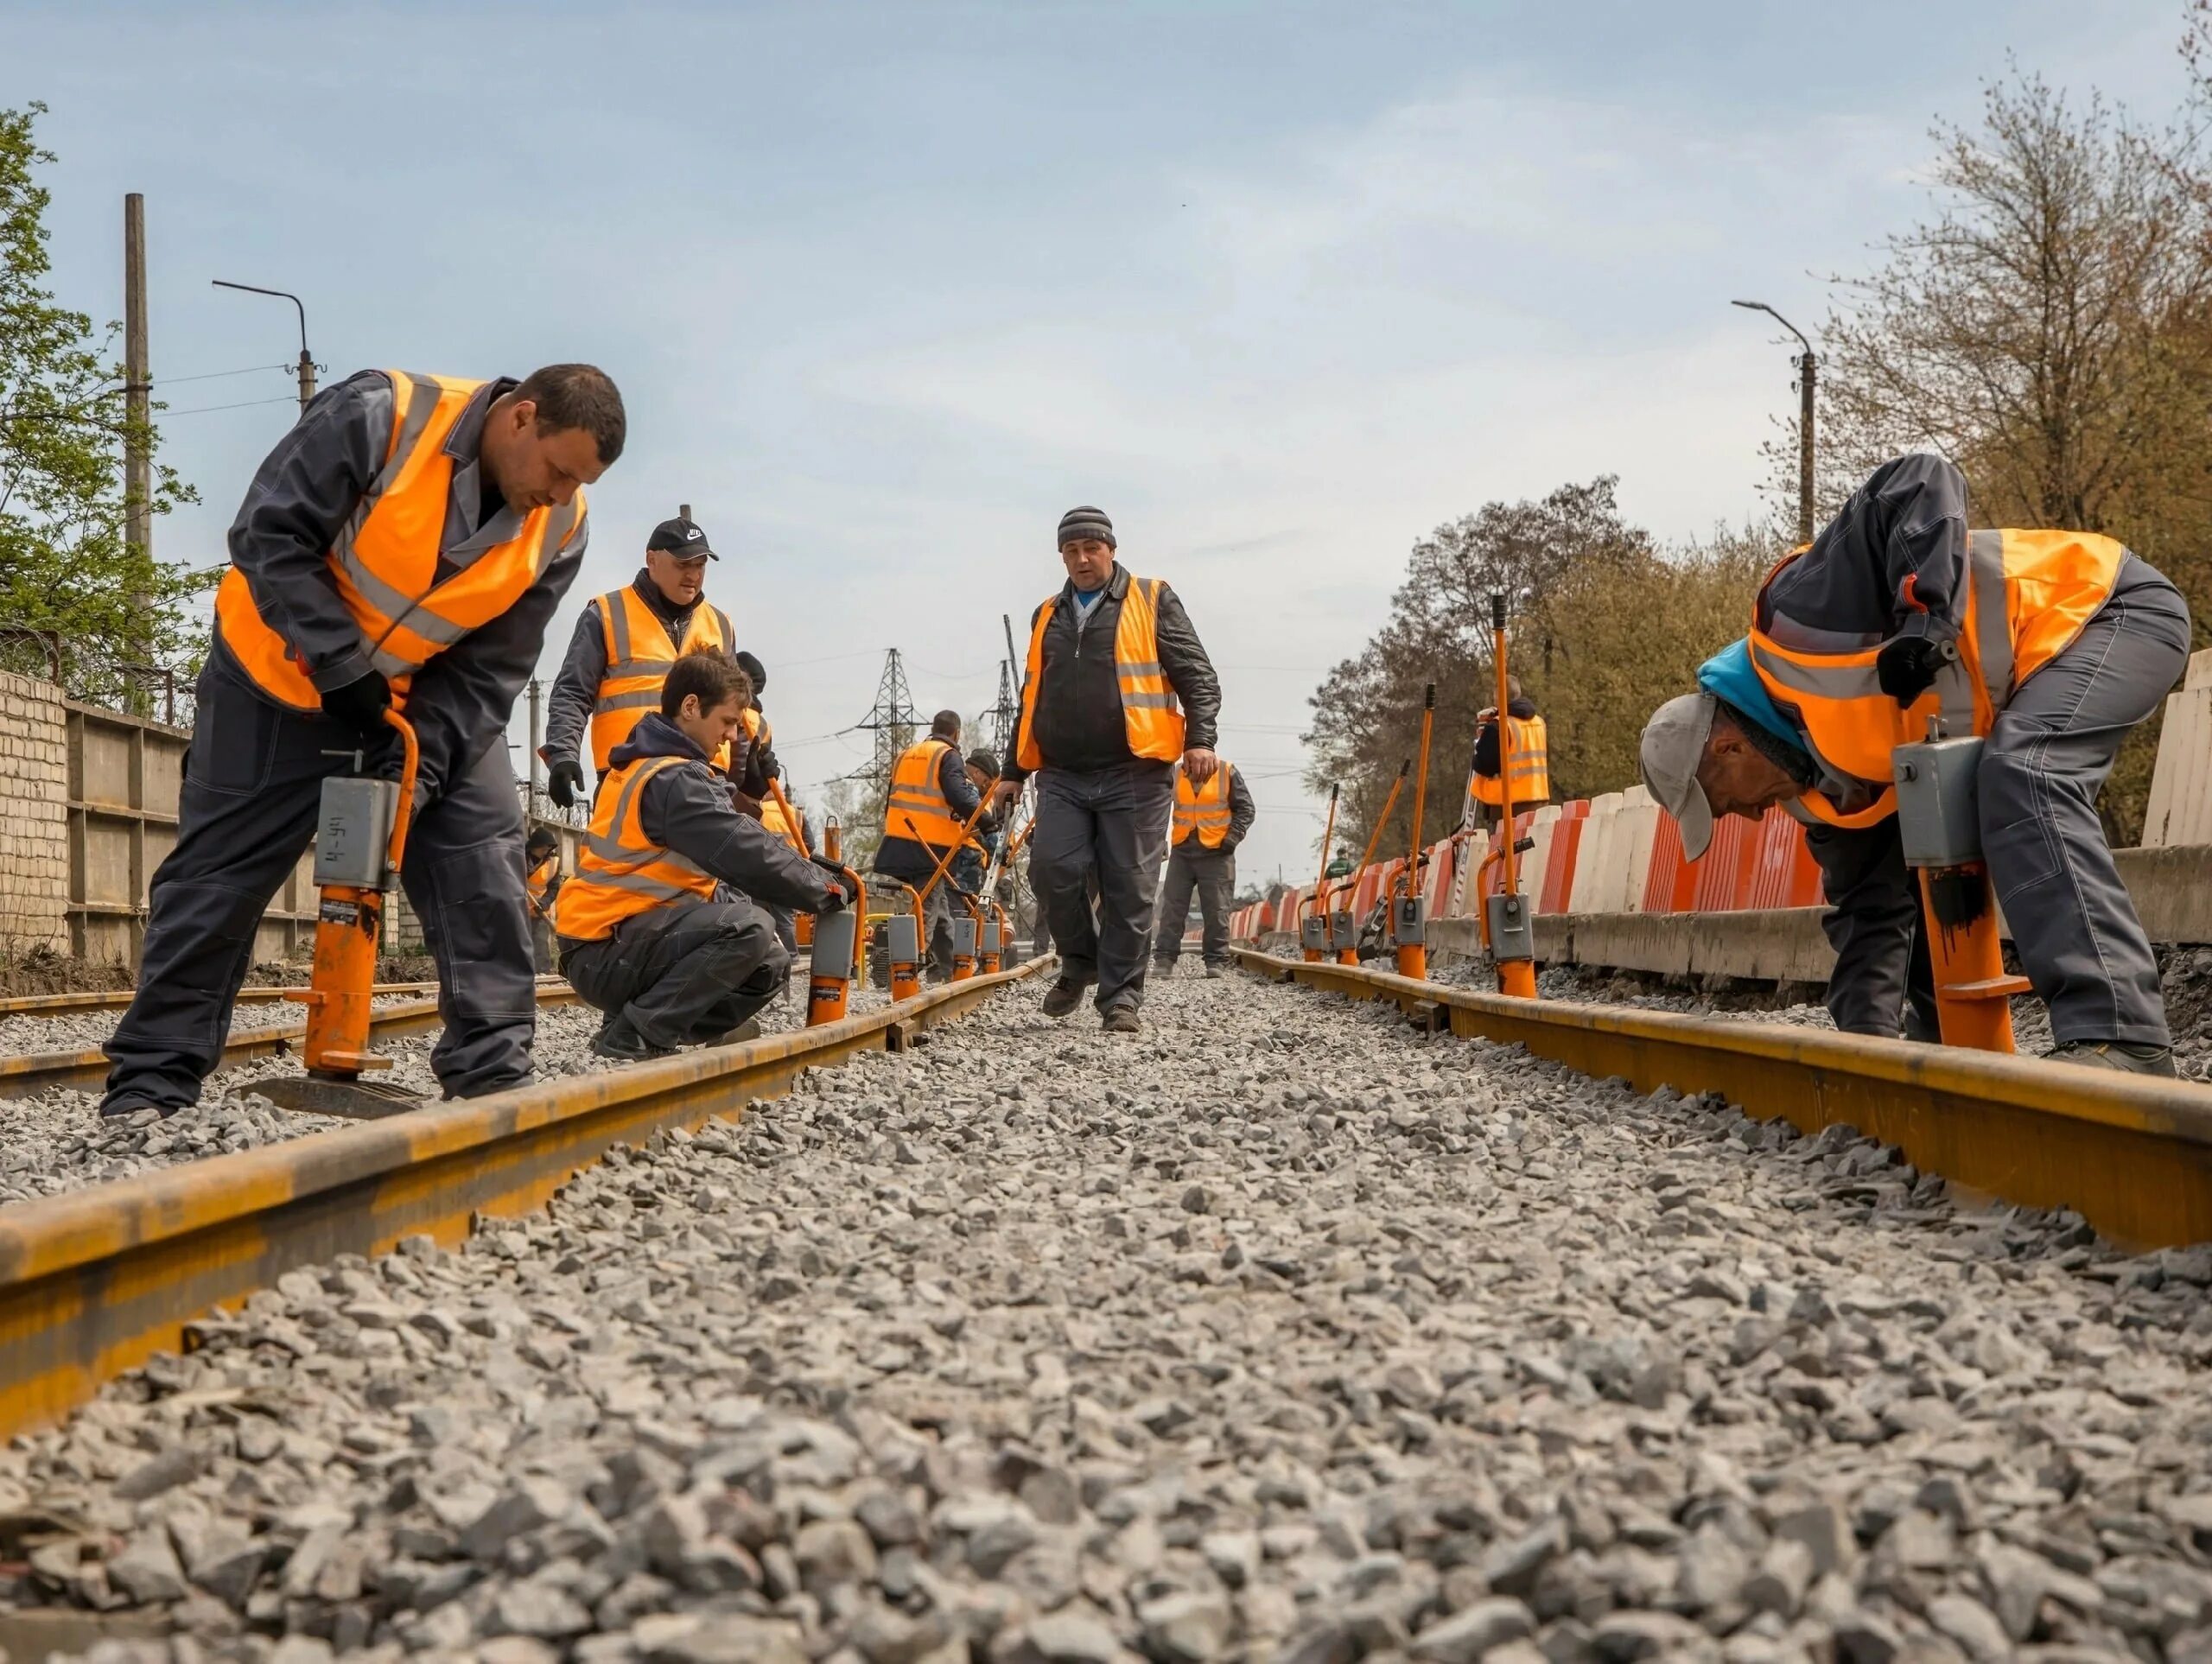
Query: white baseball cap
<point x="1674" y="745"/>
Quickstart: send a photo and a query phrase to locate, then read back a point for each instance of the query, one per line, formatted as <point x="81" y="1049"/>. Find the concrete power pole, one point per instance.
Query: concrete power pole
<point x="137" y="454"/>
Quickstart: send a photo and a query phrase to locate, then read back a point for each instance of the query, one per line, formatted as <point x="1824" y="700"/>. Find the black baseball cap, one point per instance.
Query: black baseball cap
<point x="682" y="538"/>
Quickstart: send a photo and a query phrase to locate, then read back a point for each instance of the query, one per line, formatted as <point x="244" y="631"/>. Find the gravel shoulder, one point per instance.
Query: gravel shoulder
<point x="1277" y="1333"/>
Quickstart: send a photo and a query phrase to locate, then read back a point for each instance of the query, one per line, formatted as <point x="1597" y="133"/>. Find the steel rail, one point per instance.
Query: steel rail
<point x="63" y="1005"/>
<point x="95" y="1281"/>
<point x="31" y="1072"/>
<point x="2131" y="1154"/>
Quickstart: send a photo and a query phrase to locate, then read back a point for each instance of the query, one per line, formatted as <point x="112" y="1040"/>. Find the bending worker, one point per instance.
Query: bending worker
<point x="541" y="888"/>
<point x="2051" y="644"/>
<point x="403" y="547"/>
<point x="624" y="644"/>
<point x="924" y="816"/>
<point x="663" y="927"/>
<point x="1102" y="731"/>
<point x="1210" y="821"/>
<point x="1532" y="781"/>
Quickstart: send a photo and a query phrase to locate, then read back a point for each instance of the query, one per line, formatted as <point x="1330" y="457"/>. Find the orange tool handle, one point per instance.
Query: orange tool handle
<point x="411" y="760"/>
<point x="945" y="864"/>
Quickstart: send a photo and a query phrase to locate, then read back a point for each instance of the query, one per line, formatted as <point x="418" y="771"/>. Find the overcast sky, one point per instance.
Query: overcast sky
<point x="887" y="287"/>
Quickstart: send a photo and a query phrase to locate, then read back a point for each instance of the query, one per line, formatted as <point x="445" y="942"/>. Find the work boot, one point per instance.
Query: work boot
<point x="123" y="1108"/>
<point x="1164" y="969"/>
<point x="2119" y="1056"/>
<point x="1063" y="997"/>
<point x="1214" y="973"/>
<point x="747" y="1030"/>
<point x="1121" y="1019"/>
<point x="619" y="1042"/>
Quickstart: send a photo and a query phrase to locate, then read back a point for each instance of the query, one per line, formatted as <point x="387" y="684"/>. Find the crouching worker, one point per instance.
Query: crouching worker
<point x="663" y="926"/>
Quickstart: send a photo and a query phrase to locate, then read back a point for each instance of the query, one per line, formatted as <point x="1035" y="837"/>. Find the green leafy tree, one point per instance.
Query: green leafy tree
<point x="65" y="565"/>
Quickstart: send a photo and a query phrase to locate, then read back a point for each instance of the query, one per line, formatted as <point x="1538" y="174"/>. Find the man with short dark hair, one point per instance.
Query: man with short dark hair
<point x="624" y="644"/>
<point x="1117" y="691"/>
<point x="402" y="549"/>
<point x="663" y="927"/>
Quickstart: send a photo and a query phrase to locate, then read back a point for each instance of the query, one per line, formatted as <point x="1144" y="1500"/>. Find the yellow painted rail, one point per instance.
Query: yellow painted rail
<point x="93" y="1282"/>
<point x="41" y="1071"/>
<point x="62" y="1005"/>
<point x="2132" y="1155"/>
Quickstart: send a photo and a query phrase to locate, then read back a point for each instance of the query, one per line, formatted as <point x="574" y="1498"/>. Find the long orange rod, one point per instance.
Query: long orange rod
<point x="1367" y="856"/>
<point x="1421" y="785"/>
<point x="1504" y="742"/>
<point x="943" y="865"/>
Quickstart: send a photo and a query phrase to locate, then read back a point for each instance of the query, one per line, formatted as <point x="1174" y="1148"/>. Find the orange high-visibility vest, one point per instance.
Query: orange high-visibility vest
<point x="916" y="796"/>
<point x="1153" y="718"/>
<point x="1202" y="810"/>
<point x="385" y="559"/>
<point x="2028" y="594"/>
<point x="773" y="818"/>
<point x="639" y="656"/>
<point x="535" y="887"/>
<point x="1528" y="768"/>
<point x="620" y="872"/>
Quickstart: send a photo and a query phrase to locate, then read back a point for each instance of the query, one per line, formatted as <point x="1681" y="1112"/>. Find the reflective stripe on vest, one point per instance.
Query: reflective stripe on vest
<point x="917" y="795"/>
<point x="1203" y="810"/>
<point x="639" y="656"/>
<point x="1529" y="766"/>
<point x="385" y="559"/>
<point x="2028" y="594"/>
<point x="620" y="873"/>
<point x="1151" y="716"/>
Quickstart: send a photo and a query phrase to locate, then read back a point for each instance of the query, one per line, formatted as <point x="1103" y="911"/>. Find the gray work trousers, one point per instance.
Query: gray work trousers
<point x="1212" y="874"/>
<point x="683" y="976"/>
<point x="1107" y="826"/>
<point x="252" y="788"/>
<point x="2072" y="926"/>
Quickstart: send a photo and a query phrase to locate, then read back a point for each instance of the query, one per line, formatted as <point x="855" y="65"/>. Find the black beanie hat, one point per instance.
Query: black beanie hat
<point x="1086" y="522"/>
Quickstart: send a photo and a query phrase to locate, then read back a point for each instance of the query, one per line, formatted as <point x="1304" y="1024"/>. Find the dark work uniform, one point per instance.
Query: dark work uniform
<point x="1210" y="874"/>
<point x="254" y="771"/>
<point x="686" y="972"/>
<point x="583" y="668"/>
<point x="1103" y="811"/>
<point x="911" y="861"/>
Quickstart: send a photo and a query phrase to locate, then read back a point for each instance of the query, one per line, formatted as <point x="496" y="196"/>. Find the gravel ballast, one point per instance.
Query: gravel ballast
<point x="1278" y="1332"/>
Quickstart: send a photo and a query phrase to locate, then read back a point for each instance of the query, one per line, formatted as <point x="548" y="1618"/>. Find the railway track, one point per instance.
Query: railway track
<point x="63" y="1005"/>
<point x="94" y="1281"/>
<point x="2132" y="1155"/>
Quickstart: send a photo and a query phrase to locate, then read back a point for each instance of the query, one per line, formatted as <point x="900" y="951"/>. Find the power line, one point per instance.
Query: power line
<point x="247" y="404"/>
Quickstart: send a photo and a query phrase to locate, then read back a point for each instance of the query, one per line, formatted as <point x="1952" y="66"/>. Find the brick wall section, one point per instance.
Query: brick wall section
<point x="34" y="826"/>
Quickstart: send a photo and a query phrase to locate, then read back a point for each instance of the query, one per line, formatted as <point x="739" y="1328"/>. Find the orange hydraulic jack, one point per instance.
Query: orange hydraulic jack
<point x="1939" y="823"/>
<point x="1506" y="925"/>
<point x="992" y="954"/>
<point x="1312" y="916"/>
<point x="1344" y="924"/>
<point x="836" y="937"/>
<point x="1408" y="922"/>
<point x="360" y="841"/>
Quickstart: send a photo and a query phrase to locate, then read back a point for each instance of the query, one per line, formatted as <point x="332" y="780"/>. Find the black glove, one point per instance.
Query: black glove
<point x="361" y="704"/>
<point x="763" y="757"/>
<point x="843" y="893"/>
<point x="564" y="782"/>
<point x="1906" y="668"/>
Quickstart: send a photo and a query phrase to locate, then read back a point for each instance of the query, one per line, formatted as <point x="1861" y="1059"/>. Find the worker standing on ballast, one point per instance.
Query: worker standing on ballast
<point x="925" y="817"/>
<point x="664" y="927"/>
<point x="1117" y="692"/>
<point x="624" y="644"/>
<point x="404" y="548"/>
<point x="1531" y="781"/>
<point x="1210" y="822"/>
<point x="2051" y="644"/>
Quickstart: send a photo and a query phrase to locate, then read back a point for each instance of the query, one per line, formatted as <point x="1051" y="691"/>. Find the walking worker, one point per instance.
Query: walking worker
<point x="1531" y="779"/>
<point x="2051" y="644"/>
<point x="925" y="816"/>
<point x="624" y="645"/>
<point x="1102" y="731"/>
<point x="663" y="928"/>
<point x="1210" y="821"/>
<point x="541" y="888"/>
<point x="404" y="548"/>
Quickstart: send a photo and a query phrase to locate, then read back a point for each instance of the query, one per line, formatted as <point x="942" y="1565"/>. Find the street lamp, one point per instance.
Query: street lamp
<point x="307" y="364"/>
<point x="1805" y="367"/>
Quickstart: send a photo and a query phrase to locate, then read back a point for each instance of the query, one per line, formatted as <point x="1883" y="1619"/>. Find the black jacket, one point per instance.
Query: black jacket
<point x="1078" y="722"/>
<point x="1485" y="762"/>
<point x="912" y="860"/>
<point x="686" y="810"/>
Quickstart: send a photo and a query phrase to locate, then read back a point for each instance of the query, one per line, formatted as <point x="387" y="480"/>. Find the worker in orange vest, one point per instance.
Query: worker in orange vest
<point x="663" y="927"/>
<point x="931" y="795"/>
<point x="1530" y="742"/>
<point x="2051" y="644"/>
<point x="1210" y="822"/>
<point x="1117" y="691"/>
<point x="624" y="644"/>
<point x="403" y="548"/>
<point x="540" y="889"/>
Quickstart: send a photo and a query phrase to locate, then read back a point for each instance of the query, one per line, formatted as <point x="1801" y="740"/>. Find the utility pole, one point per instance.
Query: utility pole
<point x="1806" y="369"/>
<point x="307" y="361"/>
<point x="137" y="389"/>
